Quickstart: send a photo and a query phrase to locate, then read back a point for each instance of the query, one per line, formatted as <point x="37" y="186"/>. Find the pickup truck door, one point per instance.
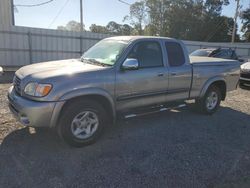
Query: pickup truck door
<point x="148" y="84"/>
<point x="180" y="72"/>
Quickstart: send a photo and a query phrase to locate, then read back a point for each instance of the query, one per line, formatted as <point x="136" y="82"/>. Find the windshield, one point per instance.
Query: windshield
<point x="105" y="52"/>
<point x="204" y="53"/>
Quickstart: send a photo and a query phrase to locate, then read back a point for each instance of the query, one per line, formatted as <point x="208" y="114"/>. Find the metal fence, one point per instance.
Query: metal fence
<point x="21" y="46"/>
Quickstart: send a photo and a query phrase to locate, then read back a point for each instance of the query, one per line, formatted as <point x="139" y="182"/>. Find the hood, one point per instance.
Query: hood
<point x="56" y="68"/>
<point x="246" y="66"/>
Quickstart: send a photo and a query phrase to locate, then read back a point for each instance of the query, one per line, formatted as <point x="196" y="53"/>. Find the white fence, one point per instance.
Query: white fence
<point x="21" y="46"/>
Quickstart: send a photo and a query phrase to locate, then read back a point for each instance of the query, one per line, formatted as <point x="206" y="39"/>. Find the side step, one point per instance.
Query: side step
<point x="153" y="110"/>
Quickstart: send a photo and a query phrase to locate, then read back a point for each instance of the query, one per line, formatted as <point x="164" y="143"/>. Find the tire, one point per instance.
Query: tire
<point x="210" y="103"/>
<point x="70" y="123"/>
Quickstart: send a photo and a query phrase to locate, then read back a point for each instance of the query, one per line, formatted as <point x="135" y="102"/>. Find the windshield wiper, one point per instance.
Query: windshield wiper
<point x="95" y="62"/>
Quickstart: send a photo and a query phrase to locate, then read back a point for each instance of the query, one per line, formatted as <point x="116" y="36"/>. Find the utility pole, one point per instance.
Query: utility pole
<point x="81" y="18"/>
<point x="235" y="20"/>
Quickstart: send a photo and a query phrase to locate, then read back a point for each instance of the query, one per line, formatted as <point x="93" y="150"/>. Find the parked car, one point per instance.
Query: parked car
<point x="118" y="75"/>
<point x="224" y="53"/>
<point x="245" y="75"/>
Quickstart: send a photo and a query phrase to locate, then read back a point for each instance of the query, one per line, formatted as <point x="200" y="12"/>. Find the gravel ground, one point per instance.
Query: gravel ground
<point x="171" y="149"/>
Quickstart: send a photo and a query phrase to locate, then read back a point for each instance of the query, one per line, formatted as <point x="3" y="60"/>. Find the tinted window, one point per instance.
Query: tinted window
<point x="175" y="54"/>
<point x="148" y="54"/>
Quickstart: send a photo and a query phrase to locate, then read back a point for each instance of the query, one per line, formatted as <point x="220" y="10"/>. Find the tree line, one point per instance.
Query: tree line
<point x="197" y="20"/>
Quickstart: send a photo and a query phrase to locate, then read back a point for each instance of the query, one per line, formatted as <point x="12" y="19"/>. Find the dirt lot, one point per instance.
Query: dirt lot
<point x="171" y="149"/>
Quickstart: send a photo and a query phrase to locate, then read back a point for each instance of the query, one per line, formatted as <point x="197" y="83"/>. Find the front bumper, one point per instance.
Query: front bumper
<point x="244" y="81"/>
<point x="33" y="113"/>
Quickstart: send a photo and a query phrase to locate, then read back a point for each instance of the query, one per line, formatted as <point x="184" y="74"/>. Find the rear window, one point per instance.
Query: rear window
<point x="204" y="53"/>
<point x="175" y="54"/>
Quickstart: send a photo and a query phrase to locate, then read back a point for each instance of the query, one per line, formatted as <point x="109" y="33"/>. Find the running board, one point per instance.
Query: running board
<point x="153" y="110"/>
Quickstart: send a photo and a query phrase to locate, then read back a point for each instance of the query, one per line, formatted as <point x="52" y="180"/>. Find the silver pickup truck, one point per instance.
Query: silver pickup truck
<point x="119" y="75"/>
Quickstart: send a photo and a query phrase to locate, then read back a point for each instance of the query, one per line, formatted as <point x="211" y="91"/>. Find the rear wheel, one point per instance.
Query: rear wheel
<point x="210" y="103"/>
<point x="82" y="122"/>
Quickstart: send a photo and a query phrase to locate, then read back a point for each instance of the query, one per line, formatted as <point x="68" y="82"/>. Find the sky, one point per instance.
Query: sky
<point x="60" y="12"/>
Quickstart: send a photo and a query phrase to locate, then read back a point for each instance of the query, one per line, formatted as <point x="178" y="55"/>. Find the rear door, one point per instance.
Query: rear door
<point x="180" y="71"/>
<point x="148" y="84"/>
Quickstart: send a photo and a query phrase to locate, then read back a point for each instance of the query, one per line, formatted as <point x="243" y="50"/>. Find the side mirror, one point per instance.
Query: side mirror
<point x="130" y="64"/>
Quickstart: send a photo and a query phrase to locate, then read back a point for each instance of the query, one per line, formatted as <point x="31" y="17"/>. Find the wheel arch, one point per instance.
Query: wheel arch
<point x="104" y="98"/>
<point x="217" y="81"/>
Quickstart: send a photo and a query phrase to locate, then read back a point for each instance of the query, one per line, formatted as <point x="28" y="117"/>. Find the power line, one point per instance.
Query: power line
<point x="124" y="2"/>
<point x="58" y="14"/>
<point x="35" y="5"/>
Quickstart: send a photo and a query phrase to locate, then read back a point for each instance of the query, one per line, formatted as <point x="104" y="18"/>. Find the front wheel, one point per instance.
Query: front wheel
<point x="82" y="122"/>
<point x="210" y="103"/>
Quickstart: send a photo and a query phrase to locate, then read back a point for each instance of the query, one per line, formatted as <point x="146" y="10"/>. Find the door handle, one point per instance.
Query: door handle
<point x="160" y="74"/>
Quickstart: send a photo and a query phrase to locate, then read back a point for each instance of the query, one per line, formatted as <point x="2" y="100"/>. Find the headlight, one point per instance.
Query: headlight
<point x="37" y="90"/>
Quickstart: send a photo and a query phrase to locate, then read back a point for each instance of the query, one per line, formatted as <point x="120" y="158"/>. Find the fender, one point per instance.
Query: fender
<point x="80" y="93"/>
<point x="209" y="82"/>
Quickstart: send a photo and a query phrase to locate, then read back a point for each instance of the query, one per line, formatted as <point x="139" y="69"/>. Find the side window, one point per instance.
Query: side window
<point x="148" y="54"/>
<point x="175" y="54"/>
<point x="221" y="54"/>
<point x="227" y="54"/>
<point x="234" y="56"/>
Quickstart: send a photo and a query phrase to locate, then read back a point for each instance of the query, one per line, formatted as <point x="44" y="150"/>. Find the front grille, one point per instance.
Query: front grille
<point x="245" y="75"/>
<point x="17" y="84"/>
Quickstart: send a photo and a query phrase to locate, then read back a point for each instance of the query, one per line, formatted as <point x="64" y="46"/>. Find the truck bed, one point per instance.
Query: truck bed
<point x="208" y="60"/>
<point x="205" y="68"/>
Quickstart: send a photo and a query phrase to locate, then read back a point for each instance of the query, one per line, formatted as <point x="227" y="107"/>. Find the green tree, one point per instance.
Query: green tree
<point x="137" y="16"/>
<point x="245" y="16"/>
<point x="223" y="31"/>
<point x="112" y="28"/>
<point x="126" y="29"/>
<point x="187" y="19"/>
<point x="71" y="26"/>
<point x="214" y="7"/>
<point x="158" y="13"/>
<point x="98" y="29"/>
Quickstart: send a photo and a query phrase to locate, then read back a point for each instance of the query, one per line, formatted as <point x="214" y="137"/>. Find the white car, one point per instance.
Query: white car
<point x="245" y="74"/>
<point x="1" y="71"/>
